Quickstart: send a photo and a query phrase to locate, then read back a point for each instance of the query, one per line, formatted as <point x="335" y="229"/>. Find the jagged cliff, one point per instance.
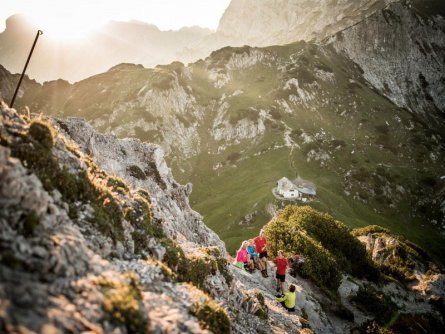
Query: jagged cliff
<point x="273" y="22"/>
<point x="401" y="51"/>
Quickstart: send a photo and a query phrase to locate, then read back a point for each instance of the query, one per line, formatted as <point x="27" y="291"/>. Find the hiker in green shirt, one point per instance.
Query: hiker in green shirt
<point x="288" y="300"/>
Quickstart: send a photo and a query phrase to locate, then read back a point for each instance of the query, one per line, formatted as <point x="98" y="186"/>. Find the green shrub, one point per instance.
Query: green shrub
<point x="334" y="236"/>
<point x="326" y="243"/>
<point x="138" y="213"/>
<point x="117" y="185"/>
<point x="320" y="265"/>
<point x="369" y="229"/>
<point x="223" y="267"/>
<point x="42" y="132"/>
<point x="152" y="170"/>
<point x="262" y="312"/>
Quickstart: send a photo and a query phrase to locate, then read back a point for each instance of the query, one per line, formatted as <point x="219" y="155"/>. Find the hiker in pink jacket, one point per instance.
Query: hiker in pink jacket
<point x="243" y="257"/>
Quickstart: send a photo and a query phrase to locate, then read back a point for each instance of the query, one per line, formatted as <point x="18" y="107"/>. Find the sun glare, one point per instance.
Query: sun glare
<point x="68" y="19"/>
<point x="65" y="28"/>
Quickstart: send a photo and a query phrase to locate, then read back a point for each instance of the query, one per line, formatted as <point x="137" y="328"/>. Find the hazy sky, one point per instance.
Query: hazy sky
<point x="77" y="17"/>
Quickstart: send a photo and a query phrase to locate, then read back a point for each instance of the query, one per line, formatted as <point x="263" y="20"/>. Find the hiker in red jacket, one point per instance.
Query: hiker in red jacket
<point x="281" y="263"/>
<point x="260" y="246"/>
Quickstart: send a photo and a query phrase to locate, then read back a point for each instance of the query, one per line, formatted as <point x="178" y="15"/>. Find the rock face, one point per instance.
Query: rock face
<point x="143" y="166"/>
<point x="271" y="22"/>
<point x="403" y="257"/>
<point x="402" y="54"/>
<point x="61" y="272"/>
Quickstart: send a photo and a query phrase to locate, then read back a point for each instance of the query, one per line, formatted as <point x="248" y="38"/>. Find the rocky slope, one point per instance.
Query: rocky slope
<point x="401" y="51"/>
<point x="273" y="22"/>
<point x="96" y="235"/>
<point x="80" y="249"/>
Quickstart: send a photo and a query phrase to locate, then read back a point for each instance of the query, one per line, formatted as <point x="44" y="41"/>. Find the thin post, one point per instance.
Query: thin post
<point x="39" y="32"/>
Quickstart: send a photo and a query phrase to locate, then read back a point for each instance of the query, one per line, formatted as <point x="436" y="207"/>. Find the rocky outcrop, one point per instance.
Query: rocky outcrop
<point x="403" y="260"/>
<point x="273" y="22"/>
<point x="143" y="166"/>
<point x="401" y="52"/>
<point x="63" y="270"/>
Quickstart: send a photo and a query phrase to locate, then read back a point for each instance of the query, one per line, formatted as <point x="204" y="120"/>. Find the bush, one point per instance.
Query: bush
<point x="320" y="265"/>
<point x="117" y="185"/>
<point x="136" y="172"/>
<point x="42" y="132"/>
<point x="369" y="229"/>
<point x="326" y="243"/>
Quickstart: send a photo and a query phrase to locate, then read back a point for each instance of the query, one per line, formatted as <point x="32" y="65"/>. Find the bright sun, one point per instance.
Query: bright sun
<point x="65" y="27"/>
<point x="75" y="19"/>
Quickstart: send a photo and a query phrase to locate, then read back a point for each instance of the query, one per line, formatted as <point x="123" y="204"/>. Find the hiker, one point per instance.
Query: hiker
<point x="281" y="263"/>
<point x="295" y="264"/>
<point x="260" y="246"/>
<point x="288" y="300"/>
<point x="242" y="258"/>
<point x="252" y="251"/>
<point x="254" y="256"/>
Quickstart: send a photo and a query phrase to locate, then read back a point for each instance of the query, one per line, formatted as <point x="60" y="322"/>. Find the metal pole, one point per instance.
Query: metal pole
<point x="39" y="32"/>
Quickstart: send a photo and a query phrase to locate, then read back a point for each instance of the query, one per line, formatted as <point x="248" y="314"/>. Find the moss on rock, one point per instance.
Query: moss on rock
<point x="122" y="302"/>
<point x="29" y="224"/>
<point x="8" y="259"/>
<point x="211" y="316"/>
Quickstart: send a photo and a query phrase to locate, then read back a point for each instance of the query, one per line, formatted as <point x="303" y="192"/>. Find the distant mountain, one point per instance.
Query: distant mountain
<point x="270" y="22"/>
<point x="277" y="22"/>
<point x="117" y="42"/>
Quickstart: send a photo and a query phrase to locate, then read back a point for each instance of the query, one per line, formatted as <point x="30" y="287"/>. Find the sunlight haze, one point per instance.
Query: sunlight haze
<point x="73" y="19"/>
